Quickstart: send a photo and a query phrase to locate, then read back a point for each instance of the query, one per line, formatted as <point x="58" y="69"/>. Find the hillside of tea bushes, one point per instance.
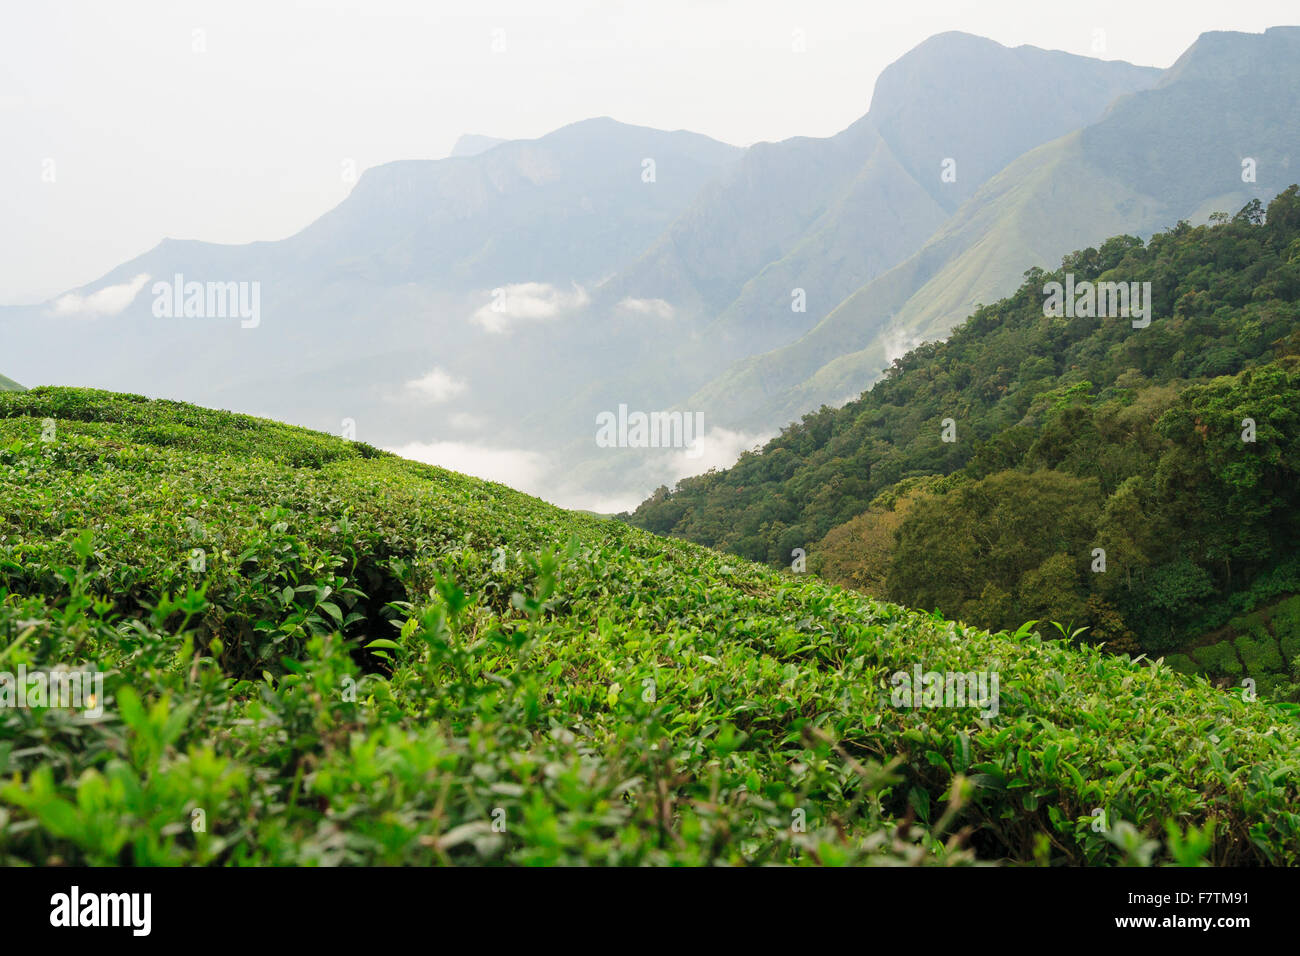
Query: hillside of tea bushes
<point x="318" y="653"/>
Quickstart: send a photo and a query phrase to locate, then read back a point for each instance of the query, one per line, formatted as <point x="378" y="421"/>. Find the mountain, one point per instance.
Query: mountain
<point x="568" y="207"/>
<point x="489" y="307"/>
<point x="471" y="145"/>
<point x="9" y="385"/>
<point x="346" y="658"/>
<point x="981" y="475"/>
<point x="396" y="281"/>
<point x="805" y="221"/>
<point x="1175" y="151"/>
<point x="827" y="215"/>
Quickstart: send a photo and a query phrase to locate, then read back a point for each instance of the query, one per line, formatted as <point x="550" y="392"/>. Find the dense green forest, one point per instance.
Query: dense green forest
<point x="313" y="652"/>
<point x="1137" y="482"/>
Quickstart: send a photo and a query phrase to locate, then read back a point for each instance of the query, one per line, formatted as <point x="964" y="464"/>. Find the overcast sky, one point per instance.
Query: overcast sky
<point x="233" y="120"/>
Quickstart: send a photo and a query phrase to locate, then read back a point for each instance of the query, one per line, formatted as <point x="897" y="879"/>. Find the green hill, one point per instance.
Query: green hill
<point x="9" y="385"/>
<point x="314" y="652"/>
<point x="1067" y="435"/>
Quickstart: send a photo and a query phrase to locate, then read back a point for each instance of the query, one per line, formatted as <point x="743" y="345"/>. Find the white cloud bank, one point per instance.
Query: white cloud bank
<point x="509" y="466"/>
<point x="535" y="473"/>
<point x="719" y="448"/>
<point x="109" y="300"/>
<point x="437" y="386"/>
<point x="528" y="302"/>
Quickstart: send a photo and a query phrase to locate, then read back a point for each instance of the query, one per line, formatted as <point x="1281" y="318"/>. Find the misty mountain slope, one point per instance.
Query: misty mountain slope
<point x="9" y="385"/>
<point x="828" y="215"/>
<point x="471" y="144"/>
<point x="970" y="255"/>
<point x="406" y="261"/>
<point x="1252" y="84"/>
<point x="1142" y="165"/>
<point x="869" y="223"/>
<point x="972" y="100"/>
<point x="752" y="216"/>
<point x="879" y="214"/>
<point x="1015" y="225"/>
<point x="570" y="206"/>
<point x="495" y="304"/>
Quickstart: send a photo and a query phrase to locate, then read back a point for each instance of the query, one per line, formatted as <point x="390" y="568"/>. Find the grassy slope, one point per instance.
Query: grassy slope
<point x="9" y="385"/>
<point x="604" y="695"/>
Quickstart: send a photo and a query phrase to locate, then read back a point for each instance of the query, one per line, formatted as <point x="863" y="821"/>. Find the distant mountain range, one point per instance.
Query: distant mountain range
<point x="9" y="385"/>
<point x="1228" y="108"/>
<point x="480" y="311"/>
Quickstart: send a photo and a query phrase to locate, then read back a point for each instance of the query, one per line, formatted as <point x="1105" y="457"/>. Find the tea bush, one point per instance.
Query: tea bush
<point x="316" y="653"/>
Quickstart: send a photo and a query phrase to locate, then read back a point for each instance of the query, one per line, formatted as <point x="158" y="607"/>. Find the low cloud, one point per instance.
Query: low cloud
<point x="659" y="308"/>
<point x="528" y="302"/>
<point x="581" y="500"/>
<point x="437" y="386"/>
<point x="109" y="300"/>
<point x="896" y="343"/>
<point x="510" y="466"/>
<point x="537" y="474"/>
<point x="718" y="448"/>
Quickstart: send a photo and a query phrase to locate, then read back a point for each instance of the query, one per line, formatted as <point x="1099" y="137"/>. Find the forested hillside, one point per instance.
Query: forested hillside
<point x="316" y="653"/>
<point x="1173" y="448"/>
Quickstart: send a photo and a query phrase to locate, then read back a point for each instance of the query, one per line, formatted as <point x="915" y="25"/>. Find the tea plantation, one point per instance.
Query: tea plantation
<point x="317" y="653"/>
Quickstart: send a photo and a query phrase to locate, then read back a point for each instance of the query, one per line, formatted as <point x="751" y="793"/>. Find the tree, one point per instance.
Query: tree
<point x="995" y="531"/>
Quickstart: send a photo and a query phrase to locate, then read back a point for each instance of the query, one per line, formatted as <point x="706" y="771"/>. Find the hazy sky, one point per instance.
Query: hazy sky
<point x="234" y="120"/>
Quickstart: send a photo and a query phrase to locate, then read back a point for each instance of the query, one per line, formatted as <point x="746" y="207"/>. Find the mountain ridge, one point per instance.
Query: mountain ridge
<point x="1080" y="188"/>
